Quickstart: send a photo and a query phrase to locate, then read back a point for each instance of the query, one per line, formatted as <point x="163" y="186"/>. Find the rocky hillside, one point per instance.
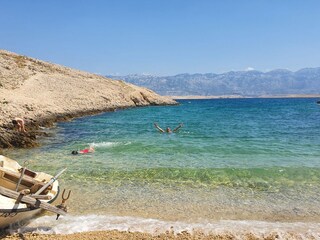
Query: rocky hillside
<point x="43" y="93"/>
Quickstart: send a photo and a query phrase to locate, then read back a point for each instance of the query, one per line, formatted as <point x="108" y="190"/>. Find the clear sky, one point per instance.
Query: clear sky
<point x="164" y="37"/>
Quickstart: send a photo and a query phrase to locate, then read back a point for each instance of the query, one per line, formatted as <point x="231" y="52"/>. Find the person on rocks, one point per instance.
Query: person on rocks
<point x="18" y="123"/>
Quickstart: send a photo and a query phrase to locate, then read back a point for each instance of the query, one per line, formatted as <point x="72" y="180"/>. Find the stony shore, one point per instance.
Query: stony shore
<point x="43" y="93"/>
<point x="169" y="235"/>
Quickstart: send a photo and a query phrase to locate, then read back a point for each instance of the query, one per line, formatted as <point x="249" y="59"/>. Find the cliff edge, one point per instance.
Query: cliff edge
<point x="43" y="93"/>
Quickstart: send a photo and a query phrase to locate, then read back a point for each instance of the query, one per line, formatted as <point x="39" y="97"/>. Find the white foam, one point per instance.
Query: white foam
<point x="75" y="224"/>
<point x="108" y="144"/>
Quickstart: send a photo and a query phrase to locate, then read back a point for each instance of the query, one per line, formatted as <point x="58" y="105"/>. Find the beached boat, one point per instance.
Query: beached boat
<point x="25" y="193"/>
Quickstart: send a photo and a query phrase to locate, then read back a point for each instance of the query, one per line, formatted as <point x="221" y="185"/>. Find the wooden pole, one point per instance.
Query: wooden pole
<point x="53" y="179"/>
<point x="20" y="178"/>
<point x="34" y="202"/>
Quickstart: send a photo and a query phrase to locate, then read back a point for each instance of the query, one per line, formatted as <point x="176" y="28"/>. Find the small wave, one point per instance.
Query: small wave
<point x="240" y="229"/>
<point x="109" y="144"/>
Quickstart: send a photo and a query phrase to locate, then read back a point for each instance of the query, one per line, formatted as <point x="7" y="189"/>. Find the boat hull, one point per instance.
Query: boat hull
<point x="20" y="213"/>
<point x="9" y="218"/>
<point x="14" y="209"/>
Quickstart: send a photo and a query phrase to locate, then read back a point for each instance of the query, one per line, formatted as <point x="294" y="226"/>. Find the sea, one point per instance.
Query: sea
<point x="237" y="166"/>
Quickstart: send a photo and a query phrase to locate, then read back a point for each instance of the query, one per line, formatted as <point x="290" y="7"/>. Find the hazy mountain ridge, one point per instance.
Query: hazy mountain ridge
<point x="245" y="83"/>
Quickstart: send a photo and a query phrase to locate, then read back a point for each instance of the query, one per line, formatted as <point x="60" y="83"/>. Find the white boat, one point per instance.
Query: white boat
<point x="25" y="193"/>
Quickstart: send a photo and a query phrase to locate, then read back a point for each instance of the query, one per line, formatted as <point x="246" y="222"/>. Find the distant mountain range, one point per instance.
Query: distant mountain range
<point x="241" y="83"/>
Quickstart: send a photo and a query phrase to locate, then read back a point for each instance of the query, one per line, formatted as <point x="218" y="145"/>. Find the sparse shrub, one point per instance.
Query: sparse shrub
<point x="20" y="61"/>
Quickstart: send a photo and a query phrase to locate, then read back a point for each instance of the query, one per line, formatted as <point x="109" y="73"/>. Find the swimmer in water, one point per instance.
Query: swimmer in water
<point x="84" y="151"/>
<point x="168" y="130"/>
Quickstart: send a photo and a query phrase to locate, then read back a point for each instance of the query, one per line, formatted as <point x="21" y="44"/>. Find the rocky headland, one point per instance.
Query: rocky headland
<point x="43" y="93"/>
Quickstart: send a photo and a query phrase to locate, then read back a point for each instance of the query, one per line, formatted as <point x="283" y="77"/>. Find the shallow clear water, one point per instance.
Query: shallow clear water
<point x="234" y="159"/>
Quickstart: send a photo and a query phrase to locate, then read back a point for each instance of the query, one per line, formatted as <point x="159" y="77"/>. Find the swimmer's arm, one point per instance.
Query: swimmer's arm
<point x="177" y="128"/>
<point x="159" y="128"/>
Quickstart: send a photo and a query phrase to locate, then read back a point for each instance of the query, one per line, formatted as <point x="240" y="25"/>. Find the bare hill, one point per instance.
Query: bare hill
<point x="43" y="93"/>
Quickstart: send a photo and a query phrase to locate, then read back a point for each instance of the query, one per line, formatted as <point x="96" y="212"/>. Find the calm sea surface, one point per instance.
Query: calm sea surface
<point x="233" y="161"/>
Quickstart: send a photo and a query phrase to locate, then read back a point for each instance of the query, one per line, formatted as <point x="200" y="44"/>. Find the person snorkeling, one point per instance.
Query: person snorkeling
<point x="83" y="151"/>
<point x="168" y="130"/>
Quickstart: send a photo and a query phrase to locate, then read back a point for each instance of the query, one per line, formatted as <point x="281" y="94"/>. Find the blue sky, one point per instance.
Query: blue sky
<point x="164" y="37"/>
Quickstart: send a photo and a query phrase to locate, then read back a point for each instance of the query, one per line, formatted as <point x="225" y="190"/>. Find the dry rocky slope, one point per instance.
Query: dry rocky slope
<point x="43" y="93"/>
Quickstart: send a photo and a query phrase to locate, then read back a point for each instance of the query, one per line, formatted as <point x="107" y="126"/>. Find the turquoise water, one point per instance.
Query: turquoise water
<point x="234" y="159"/>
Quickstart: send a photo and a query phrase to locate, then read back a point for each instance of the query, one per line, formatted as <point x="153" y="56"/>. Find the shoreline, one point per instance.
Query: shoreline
<point x="195" y="97"/>
<point x="124" y="235"/>
<point x="222" y="230"/>
<point x="9" y="138"/>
